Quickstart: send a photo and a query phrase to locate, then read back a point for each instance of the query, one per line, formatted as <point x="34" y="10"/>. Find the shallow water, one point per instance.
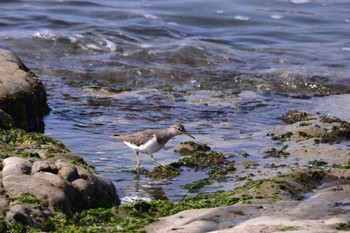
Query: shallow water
<point x="226" y="69"/>
<point x="228" y="122"/>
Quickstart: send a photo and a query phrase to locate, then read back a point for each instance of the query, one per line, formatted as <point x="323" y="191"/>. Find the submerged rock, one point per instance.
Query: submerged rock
<point x="22" y="95"/>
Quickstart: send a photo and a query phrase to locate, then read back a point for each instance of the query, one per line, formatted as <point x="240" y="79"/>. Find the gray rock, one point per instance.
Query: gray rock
<point x="67" y="170"/>
<point x="107" y="189"/>
<point x="44" y="166"/>
<point x="19" y="213"/>
<point x="15" y="166"/>
<point x="86" y="190"/>
<point x="60" y="183"/>
<point x="95" y="190"/>
<point x="22" y="95"/>
<point x="16" y="185"/>
<point x="28" y="214"/>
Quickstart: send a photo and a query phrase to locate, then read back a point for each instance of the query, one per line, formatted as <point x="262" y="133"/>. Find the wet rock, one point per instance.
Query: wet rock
<point x="15" y="166"/>
<point x="22" y="95"/>
<point x="294" y="116"/>
<point x="186" y="148"/>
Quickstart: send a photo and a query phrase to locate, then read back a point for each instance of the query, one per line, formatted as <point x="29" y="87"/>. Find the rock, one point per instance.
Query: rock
<point x="28" y="215"/>
<point x="16" y="185"/>
<point x="106" y="191"/>
<point x="15" y="166"/>
<point x="96" y="190"/>
<point x="86" y="190"/>
<point x="6" y="121"/>
<point x="186" y="148"/>
<point x="19" y="213"/>
<point x="22" y="95"/>
<point x="67" y="170"/>
<point x="60" y="183"/>
<point x="69" y="156"/>
<point x="44" y="166"/>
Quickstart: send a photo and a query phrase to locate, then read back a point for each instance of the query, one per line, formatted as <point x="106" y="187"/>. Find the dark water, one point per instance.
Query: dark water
<point x="226" y="69"/>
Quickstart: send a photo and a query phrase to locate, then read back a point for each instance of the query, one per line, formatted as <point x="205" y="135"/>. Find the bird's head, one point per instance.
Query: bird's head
<point x="179" y="129"/>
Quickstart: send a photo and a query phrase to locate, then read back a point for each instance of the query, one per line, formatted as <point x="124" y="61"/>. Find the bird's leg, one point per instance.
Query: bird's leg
<point x="156" y="161"/>
<point x="137" y="168"/>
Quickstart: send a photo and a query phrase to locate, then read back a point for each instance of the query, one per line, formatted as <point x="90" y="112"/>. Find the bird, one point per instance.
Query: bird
<point x="151" y="140"/>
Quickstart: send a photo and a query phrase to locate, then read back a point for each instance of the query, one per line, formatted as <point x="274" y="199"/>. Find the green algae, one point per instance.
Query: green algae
<point x="197" y="160"/>
<point x="164" y="172"/>
<point x="287" y="228"/>
<point x="276" y="153"/>
<point x="187" y="148"/>
<point x="27" y="198"/>
<point x="283" y="137"/>
<point x="342" y="226"/>
<point x="216" y="174"/>
<point x="203" y="159"/>
<point x="294" y="116"/>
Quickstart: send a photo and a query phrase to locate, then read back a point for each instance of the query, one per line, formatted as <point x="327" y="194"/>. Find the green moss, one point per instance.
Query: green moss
<point x="316" y="174"/>
<point x="303" y="124"/>
<point x="327" y="119"/>
<point x="10" y="227"/>
<point x="346" y="165"/>
<point x="20" y="138"/>
<point x="203" y="159"/>
<point x="164" y="172"/>
<point x="27" y="198"/>
<point x="276" y="153"/>
<point x="294" y="116"/>
<point x="335" y="135"/>
<point x="287" y="228"/>
<point x="343" y="226"/>
<point x="317" y="163"/>
<point x="283" y="137"/>
<point x="197" y="160"/>
<point x="116" y="219"/>
<point x="187" y="148"/>
<point x="216" y="174"/>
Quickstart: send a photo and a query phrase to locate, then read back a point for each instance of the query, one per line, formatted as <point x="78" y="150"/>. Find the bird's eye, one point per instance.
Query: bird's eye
<point x="180" y="129"/>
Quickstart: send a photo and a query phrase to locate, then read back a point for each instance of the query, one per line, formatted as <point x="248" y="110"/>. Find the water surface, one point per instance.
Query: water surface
<point x="225" y="69"/>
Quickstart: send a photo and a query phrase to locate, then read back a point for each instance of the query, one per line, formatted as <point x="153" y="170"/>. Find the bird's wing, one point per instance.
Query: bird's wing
<point x="137" y="138"/>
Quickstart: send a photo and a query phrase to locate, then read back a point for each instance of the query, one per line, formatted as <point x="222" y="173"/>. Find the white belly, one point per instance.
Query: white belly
<point x="149" y="148"/>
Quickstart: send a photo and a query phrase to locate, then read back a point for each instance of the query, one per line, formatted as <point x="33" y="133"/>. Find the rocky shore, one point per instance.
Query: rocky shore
<point x="39" y="176"/>
<point x="301" y="185"/>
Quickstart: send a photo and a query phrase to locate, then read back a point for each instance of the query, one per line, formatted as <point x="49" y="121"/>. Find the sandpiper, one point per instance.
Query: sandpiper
<point x="150" y="141"/>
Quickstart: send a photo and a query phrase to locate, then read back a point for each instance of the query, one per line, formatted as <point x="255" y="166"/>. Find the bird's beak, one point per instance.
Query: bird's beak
<point x="190" y="135"/>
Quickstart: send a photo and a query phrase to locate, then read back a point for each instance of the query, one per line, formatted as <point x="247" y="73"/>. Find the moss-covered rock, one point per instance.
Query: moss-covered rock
<point x="294" y="116"/>
<point x="40" y="176"/>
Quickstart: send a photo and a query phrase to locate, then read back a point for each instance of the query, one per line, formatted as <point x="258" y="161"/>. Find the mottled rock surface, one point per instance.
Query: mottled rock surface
<point x="40" y="177"/>
<point x="311" y="195"/>
<point x="22" y="95"/>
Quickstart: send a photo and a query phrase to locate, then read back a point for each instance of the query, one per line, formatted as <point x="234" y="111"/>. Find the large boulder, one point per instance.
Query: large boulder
<point x="22" y="95"/>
